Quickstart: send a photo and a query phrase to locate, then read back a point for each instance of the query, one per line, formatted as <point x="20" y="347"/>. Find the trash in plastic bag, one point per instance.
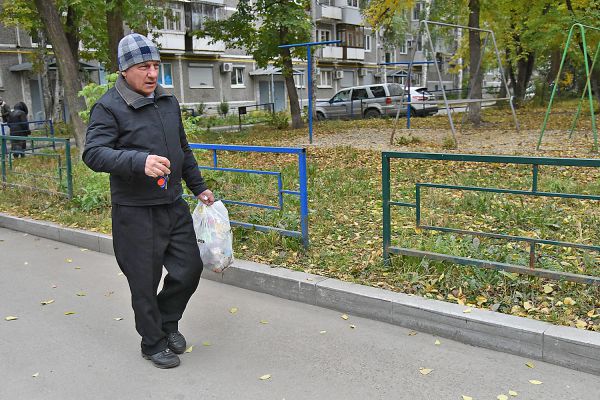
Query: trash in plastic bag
<point x="214" y="236"/>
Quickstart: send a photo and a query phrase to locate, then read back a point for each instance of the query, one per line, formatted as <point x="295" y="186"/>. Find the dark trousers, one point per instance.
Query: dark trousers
<point x="146" y="238"/>
<point x="18" y="147"/>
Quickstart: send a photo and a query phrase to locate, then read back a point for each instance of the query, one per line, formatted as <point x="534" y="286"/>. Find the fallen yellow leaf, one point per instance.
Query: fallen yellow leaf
<point x="467" y="310"/>
<point x="46" y="302"/>
<point x="513" y="393"/>
<point x="437" y="343"/>
<point x="466" y="397"/>
<point x="206" y="344"/>
<point x="233" y="310"/>
<point x="592" y="313"/>
<point x="412" y="333"/>
<point x="481" y="300"/>
<point x="189" y="349"/>
<point x="322" y="332"/>
<point x="69" y="312"/>
<point x="118" y="318"/>
<point x="580" y="324"/>
<point x="530" y="364"/>
<point x="527" y="305"/>
<point x="535" y="382"/>
<point x="80" y="294"/>
<point x="425" y="371"/>
<point x="265" y="377"/>
<point x="502" y="397"/>
<point x="69" y="260"/>
<point x="11" y="318"/>
<point x="569" y="301"/>
<point x="264" y="321"/>
<point x="548" y="289"/>
<point x="344" y="317"/>
<point x="36" y="375"/>
<point x="352" y="326"/>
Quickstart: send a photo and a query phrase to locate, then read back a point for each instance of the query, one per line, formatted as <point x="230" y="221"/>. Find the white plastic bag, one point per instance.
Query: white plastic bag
<point x="214" y="236"/>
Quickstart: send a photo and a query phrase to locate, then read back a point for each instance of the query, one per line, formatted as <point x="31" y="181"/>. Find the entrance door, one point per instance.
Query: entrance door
<point x="37" y="108"/>
<point x="279" y="95"/>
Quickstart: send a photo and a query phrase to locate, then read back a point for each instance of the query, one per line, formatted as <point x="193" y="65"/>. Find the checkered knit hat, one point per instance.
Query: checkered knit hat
<point x="135" y="49"/>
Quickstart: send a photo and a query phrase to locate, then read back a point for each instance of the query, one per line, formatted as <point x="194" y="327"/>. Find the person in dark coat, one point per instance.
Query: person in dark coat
<point x="4" y="110"/>
<point x="17" y="122"/>
<point x="136" y="135"/>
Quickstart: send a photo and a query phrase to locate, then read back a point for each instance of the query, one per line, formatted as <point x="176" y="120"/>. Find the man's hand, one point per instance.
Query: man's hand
<point x="157" y="166"/>
<point x="207" y="197"/>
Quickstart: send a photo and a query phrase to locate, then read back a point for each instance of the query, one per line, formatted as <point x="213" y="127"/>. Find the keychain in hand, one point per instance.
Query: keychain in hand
<point x="163" y="182"/>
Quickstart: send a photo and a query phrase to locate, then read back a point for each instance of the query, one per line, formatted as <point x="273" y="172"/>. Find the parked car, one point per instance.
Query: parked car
<point x="418" y="97"/>
<point x="367" y="101"/>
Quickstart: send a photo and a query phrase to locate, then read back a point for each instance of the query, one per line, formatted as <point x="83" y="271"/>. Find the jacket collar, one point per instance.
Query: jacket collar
<point x="133" y="98"/>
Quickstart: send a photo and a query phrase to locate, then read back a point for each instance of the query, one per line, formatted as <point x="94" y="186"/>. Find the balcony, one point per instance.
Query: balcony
<point x="201" y="44"/>
<point x="354" y="53"/>
<point x="332" y="52"/>
<point x="169" y="40"/>
<point x="351" y="16"/>
<point x="328" y="12"/>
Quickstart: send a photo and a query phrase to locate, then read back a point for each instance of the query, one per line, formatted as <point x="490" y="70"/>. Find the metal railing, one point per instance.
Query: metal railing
<point x="302" y="193"/>
<point x="41" y="128"/>
<point x="63" y="177"/>
<point x="535" y="162"/>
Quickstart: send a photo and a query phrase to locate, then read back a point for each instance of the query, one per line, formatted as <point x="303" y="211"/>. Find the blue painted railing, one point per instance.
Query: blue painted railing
<point x="302" y="177"/>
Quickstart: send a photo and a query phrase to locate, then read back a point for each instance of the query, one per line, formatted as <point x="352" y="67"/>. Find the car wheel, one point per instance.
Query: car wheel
<point x="372" y="113"/>
<point x="320" y="116"/>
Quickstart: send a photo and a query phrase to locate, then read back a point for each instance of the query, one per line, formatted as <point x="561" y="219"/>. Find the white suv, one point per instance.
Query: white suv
<point x="368" y="101"/>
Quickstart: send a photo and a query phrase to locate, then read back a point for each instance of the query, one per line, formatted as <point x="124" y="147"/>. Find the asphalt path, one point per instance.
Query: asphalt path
<point x="83" y="345"/>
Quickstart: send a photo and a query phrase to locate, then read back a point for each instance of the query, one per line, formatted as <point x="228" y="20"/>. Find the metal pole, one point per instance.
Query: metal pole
<point x="302" y="176"/>
<point x="310" y="103"/>
<point x="69" y="169"/>
<point x="385" y="192"/>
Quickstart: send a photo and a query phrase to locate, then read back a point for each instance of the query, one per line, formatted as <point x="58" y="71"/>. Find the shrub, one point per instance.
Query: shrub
<point x="92" y="93"/>
<point x="93" y="191"/>
<point x="201" y="108"/>
<point x="279" y="120"/>
<point x="223" y="108"/>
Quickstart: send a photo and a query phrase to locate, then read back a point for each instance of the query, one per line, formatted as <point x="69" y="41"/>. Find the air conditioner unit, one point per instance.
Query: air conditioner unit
<point x="339" y="74"/>
<point x="226" y="67"/>
<point x="362" y="72"/>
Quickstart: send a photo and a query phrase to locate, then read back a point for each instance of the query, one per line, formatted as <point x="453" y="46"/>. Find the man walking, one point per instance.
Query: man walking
<point x="136" y="135"/>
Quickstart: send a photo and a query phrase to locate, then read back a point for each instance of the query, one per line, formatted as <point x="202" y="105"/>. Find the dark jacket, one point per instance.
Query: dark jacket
<point x="17" y="120"/>
<point x="125" y="127"/>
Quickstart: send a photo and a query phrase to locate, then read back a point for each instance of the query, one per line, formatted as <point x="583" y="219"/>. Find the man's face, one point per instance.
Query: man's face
<point x="142" y="77"/>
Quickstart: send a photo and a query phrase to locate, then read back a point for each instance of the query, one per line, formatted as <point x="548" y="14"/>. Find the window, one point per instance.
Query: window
<point x="201" y="76"/>
<point x="367" y="42"/>
<point x="417" y="11"/>
<point x="359" y="94"/>
<point x="402" y="47"/>
<point x="344" y="95"/>
<point x="323" y="35"/>
<point x="324" y="79"/>
<point x="378" y="91"/>
<point x="351" y="35"/>
<point x="173" y="20"/>
<point x="237" y="76"/>
<point x="202" y="12"/>
<point x="165" y="75"/>
<point x="299" y="79"/>
<point x="390" y="57"/>
<point x="353" y="3"/>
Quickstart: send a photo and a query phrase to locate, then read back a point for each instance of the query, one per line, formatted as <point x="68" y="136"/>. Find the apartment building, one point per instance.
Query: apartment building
<point x="197" y="71"/>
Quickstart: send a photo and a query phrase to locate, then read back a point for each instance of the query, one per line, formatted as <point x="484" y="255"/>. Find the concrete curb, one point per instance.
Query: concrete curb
<point x="569" y="347"/>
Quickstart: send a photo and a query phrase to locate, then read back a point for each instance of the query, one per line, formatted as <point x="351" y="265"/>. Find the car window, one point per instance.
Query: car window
<point x="395" y="89"/>
<point x="344" y="95"/>
<point x="358" y="94"/>
<point x="378" y="91"/>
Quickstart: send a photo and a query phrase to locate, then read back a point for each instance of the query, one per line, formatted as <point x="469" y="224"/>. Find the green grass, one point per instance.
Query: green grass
<point x="345" y="221"/>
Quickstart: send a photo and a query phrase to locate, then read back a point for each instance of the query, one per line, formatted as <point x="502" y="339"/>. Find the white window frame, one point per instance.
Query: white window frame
<point x="419" y="7"/>
<point x="328" y="81"/>
<point x="192" y="66"/>
<point x="353" y="3"/>
<point x="367" y="42"/>
<point x="237" y="73"/>
<point x="161" y="76"/>
<point x="176" y="24"/>
<point x="323" y="35"/>
<point x="392" y="56"/>
<point x="403" y="49"/>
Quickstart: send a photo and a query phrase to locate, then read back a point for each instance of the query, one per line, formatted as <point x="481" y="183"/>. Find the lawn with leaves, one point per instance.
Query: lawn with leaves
<point x="345" y="221"/>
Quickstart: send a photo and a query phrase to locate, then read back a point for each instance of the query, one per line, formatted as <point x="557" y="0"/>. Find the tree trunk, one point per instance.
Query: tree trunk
<point x="57" y="114"/>
<point x="114" y="26"/>
<point x="71" y="31"/>
<point x="46" y="92"/>
<point x="68" y="66"/>
<point x="475" y="73"/>
<point x="290" y="85"/>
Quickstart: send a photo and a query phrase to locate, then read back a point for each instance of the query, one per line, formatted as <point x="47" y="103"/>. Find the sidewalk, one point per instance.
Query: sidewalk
<point x="90" y="355"/>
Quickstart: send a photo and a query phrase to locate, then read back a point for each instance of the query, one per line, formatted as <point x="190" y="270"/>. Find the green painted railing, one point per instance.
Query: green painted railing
<point x="63" y="177"/>
<point x="535" y="162"/>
